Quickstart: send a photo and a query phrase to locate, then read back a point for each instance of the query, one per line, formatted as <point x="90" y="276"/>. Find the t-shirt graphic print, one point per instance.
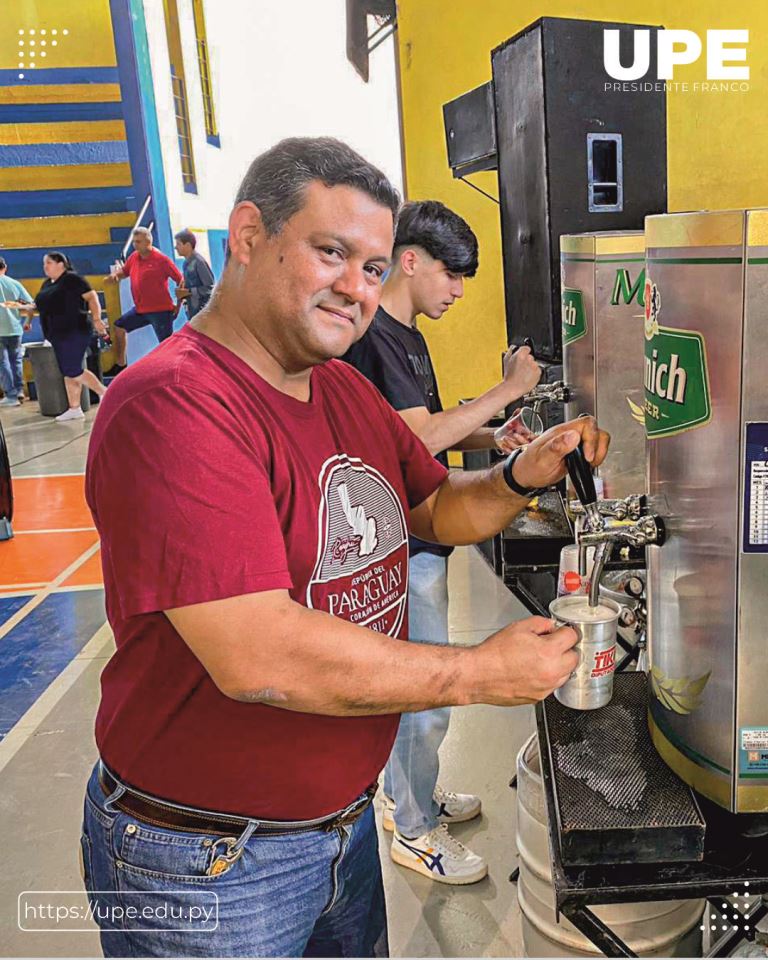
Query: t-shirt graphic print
<point x="361" y="573"/>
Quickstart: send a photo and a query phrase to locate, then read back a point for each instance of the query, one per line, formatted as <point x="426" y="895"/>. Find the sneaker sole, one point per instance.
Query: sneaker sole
<point x="418" y="867"/>
<point x="388" y="821"/>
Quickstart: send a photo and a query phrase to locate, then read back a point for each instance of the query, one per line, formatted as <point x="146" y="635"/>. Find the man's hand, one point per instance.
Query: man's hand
<point x="542" y="463"/>
<point x="182" y="293"/>
<point x="521" y="372"/>
<point x="524" y="662"/>
<point x="513" y="434"/>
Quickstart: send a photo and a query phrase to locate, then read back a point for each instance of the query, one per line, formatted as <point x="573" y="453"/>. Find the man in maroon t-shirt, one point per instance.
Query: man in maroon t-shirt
<point x="149" y="272"/>
<point x="254" y="498"/>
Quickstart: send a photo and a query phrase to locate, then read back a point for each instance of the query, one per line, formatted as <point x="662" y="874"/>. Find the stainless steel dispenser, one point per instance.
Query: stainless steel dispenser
<point x="706" y="415"/>
<point x="603" y="290"/>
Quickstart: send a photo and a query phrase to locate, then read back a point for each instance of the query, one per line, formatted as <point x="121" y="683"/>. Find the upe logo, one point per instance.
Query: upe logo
<point x="677" y="48"/>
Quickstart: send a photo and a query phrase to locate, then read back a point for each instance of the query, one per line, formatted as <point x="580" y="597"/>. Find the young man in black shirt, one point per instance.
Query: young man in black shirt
<point x="435" y="250"/>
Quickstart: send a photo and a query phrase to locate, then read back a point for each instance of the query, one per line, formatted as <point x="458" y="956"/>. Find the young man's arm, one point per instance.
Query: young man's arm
<point x="454" y="428"/>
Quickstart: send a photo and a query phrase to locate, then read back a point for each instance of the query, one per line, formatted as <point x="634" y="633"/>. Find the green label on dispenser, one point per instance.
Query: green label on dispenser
<point x="676" y="382"/>
<point x="574" y="316"/>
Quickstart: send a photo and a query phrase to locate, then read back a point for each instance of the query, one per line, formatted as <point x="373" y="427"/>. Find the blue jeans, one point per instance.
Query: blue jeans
<point x="313" y="894"/>
<point x="161" y="321"/>
<point x="11" y="378"/>
<point x="410" y="776"/>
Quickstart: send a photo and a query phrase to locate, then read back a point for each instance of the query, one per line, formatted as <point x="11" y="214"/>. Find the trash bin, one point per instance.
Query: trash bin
<point x="49" y="383"/>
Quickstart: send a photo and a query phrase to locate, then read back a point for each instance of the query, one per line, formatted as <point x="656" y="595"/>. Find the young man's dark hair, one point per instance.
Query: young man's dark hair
<point x="3" y="264"/>
<point x="276" y="180"/>
<point x="186" y="236"/>
<point x="445" y="236"/>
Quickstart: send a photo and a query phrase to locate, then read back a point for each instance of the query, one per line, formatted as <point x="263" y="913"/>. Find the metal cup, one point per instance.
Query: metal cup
<point x="591" y="684"/>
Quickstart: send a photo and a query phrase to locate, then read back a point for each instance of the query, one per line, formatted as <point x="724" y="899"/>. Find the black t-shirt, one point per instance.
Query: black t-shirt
<point x="395" y="358"/>
<point x="61" y="305"/>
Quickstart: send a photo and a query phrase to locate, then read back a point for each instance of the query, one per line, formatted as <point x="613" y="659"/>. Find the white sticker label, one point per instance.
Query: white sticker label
<point x="754" y="739"/>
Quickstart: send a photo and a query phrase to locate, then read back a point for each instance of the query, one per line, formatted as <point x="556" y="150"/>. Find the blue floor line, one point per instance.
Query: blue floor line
<point x="36" y="650"/>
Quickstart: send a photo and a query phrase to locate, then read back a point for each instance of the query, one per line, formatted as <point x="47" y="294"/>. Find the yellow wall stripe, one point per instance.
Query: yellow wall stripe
<point x="86" y="230"/>
<point x="75" y="131"/>
<point x="66" y="177"/>
<point x="61" y="93"/>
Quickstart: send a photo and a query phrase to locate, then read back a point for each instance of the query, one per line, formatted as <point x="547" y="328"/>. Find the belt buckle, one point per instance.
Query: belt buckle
<point x="220" y="862"/>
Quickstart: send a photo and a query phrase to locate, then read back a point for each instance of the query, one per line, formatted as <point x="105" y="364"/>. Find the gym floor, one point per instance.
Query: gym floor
<point x="54" y="642"/>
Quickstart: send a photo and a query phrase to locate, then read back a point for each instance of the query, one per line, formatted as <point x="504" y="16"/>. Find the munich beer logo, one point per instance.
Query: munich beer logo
<point x="652" y="305"/>
<point x="574" y="316"/>
<point x="675" y="374"/>
<point x="361" y="570"/>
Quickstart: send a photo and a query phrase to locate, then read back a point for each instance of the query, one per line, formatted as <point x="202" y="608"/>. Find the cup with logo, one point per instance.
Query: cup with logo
<point x="590" y="686"/>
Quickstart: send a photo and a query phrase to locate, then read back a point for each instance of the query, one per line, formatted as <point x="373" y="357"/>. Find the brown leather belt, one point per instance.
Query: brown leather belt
<point x="161" y="813"/>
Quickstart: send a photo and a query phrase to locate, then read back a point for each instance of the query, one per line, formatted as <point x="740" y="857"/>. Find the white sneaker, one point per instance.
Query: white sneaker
<point x="439" y="856"/>
<point x="10" y="402"/>
<point x="454" y="807"/>
<point x="74" y="413"/>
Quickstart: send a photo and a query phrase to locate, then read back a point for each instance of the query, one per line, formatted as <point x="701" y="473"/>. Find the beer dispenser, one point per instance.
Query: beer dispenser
<point x="706" y="415"/>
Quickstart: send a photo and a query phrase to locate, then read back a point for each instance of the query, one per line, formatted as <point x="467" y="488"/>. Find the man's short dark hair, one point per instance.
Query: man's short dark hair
<point x="186" y="236"/>
<point x="276" y="181"/>
<point x="3" y="264"/>
<point x="445" y="236"/>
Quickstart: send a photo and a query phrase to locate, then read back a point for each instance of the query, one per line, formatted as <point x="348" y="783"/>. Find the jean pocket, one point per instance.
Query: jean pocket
<point x="166" y="855"/>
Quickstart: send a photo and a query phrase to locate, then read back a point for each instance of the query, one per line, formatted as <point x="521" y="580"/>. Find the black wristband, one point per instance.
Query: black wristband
<point x="528" y="492"/>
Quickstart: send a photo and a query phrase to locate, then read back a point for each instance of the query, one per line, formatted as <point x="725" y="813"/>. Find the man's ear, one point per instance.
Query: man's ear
<point x="409" y="260"/>
<point x="246" y="231"/>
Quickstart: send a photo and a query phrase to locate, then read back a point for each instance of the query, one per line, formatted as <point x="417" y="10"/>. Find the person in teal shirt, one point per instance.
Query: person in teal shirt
<point x="11" y="329"/>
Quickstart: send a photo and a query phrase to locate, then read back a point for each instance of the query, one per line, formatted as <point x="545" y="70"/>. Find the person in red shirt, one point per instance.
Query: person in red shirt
<point x="255" y="569"/>
<point x="149" y="272"/>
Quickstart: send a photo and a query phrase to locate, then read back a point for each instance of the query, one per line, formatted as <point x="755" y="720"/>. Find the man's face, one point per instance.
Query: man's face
<point x="317" y="283"/>
<point x="142" y="244"/>
<point x="183" y="249"/>
<point x="433" y="286"/>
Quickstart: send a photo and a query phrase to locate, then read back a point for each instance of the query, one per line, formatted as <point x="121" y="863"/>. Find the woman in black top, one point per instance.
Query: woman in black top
<point x="63" y="303"/>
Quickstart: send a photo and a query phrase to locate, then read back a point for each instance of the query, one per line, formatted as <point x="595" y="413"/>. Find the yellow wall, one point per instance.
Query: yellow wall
<point x="717" y="142"/>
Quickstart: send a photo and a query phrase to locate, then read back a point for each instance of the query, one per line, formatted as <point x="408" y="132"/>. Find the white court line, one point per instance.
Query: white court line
<point x="39" y="597"/>
<point x="25" y="726"/>
<point x="44" y="476"/>
<point x="17" y="588"/>
<point x="12" y="591"/>
<point x="21" y="533"/>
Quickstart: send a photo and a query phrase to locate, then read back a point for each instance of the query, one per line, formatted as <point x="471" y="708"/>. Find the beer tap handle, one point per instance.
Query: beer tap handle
<point x="580" y="473"/>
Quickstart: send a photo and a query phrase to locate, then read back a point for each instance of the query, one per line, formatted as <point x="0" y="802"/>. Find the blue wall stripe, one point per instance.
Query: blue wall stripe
<point x="15" y="204"/>
<point x="56" y="112"/>
<point x="27" y="262"/>
<point x="137" y="89"/>
<point x="63" y="154"/>
<point x="217" y="246"/>
<point x="35" y="652"/>
<point x="60" y="75"/>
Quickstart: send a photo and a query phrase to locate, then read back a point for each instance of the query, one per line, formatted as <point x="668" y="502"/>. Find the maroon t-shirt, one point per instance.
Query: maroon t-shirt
<point x="205" y="482"/>
<point x="149" y="280"/>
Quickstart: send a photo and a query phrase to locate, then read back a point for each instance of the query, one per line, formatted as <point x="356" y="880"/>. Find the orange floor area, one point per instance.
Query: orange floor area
<point x="53" y="531"/>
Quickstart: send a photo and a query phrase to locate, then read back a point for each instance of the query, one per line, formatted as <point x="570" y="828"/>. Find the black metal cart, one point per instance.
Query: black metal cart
<point x="732" y="864"/>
